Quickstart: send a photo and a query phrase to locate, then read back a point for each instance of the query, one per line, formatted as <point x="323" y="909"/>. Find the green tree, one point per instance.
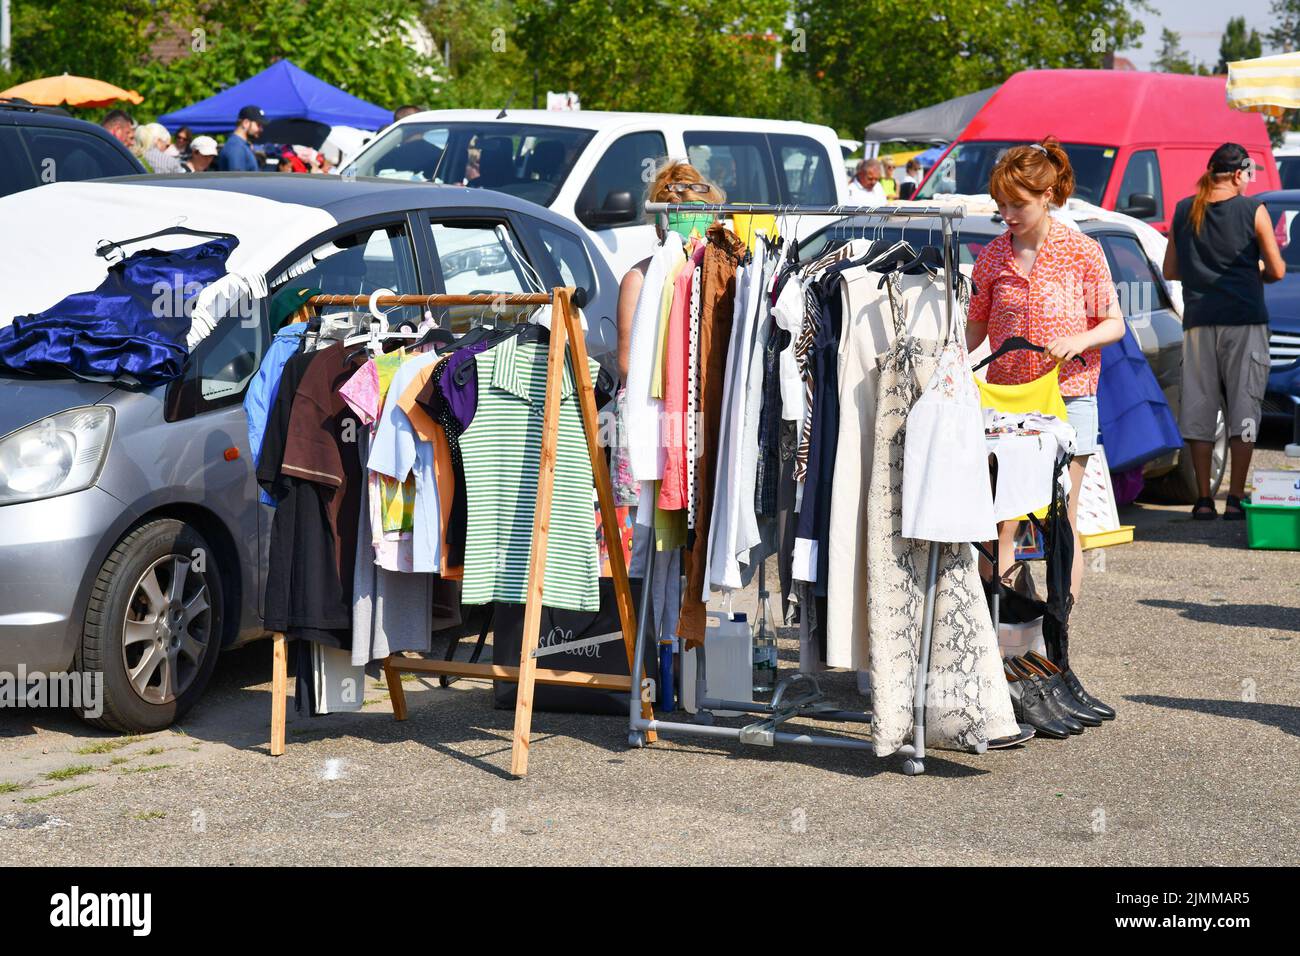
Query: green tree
<point x="1173" y="58"/>
<point x="484" y="66"/>
<point x="103" y="39"/>
<point x="1285" y="34"/>
<point x="357" y="45"/>
<point x="689" y="56"/>
<point x="1237" y="44"/>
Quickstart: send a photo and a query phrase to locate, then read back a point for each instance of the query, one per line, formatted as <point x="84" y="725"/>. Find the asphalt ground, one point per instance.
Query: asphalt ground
<point x="1193" y="637"/>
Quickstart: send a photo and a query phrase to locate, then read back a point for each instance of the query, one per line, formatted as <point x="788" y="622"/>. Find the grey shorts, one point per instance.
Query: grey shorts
<point x="1223" y="366"/>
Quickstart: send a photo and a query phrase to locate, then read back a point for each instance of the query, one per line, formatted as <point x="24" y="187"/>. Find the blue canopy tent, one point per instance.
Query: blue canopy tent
<point x="284" y="92"/>
<point x="926" y="159"/>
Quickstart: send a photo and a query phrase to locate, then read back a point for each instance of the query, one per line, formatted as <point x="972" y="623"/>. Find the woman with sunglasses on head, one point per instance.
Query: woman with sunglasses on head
<point x="676" y="181"/>
<point x="1223" y="248"/>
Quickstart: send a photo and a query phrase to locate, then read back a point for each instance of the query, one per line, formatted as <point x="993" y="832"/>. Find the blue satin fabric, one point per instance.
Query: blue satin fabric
<point x="134" y="325"/>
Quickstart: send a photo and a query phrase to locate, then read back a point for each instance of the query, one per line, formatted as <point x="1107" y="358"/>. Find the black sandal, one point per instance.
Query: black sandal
<point x="1232" y="509"/>
<point x="1204" y="510"/>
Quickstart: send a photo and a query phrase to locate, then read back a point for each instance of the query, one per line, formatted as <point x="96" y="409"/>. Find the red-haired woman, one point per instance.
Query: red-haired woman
<point x="1050" y="284"/>
<point x="1223" y="248"/>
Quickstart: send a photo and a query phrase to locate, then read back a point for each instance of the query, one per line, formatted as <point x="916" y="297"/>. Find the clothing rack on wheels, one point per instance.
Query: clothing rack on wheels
<point x="566" y="330"/>
<point x="801" y="695"/>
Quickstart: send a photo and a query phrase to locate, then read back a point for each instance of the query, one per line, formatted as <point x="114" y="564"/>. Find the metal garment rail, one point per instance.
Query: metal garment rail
<point x="764" y="733"/>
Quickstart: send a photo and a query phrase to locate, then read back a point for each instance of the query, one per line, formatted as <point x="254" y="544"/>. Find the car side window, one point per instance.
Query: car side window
<point x="570" y="258"/>
<point x="17" y="169"/>
<point x="1139" y="288"/>
<point x="1142" y="175"/>
<point x="804" y="170"/>
<point x="377" y="257"/>
<point x="222" y="364"/>
<point x="227" y="359"/>
<point x="738" y="162"/>
<point x="627" y="167"/>
<point x="477" y="256"/>
<point x="65" y="156"/>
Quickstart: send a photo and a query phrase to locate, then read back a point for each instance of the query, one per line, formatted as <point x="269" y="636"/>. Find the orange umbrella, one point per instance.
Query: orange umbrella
<point x="73" y="90"/>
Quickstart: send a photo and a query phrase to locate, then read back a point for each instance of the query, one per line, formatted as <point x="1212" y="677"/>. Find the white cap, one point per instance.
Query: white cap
<point x="204" y="146"/>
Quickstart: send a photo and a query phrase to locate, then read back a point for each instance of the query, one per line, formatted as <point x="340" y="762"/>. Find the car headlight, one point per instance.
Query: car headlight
<point x="55" y="456"/>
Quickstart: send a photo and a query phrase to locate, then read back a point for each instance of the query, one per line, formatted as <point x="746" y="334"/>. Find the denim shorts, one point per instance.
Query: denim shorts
<point x="1081" y="411"/>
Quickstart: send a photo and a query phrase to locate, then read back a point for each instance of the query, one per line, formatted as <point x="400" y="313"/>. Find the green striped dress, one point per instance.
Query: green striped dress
<point x="502" y="451"/>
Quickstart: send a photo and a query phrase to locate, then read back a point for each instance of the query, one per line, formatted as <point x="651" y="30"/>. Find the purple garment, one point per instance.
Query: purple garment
<point x="462" y="399"/>
<point x="1128" y="485"/>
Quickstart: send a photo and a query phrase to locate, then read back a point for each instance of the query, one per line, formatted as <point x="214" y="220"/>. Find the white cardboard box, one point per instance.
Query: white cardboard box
<point x="1276" y="487"/>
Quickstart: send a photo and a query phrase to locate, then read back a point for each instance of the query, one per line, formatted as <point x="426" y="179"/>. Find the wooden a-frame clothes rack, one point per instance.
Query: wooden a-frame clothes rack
<point x="566" y="330"/>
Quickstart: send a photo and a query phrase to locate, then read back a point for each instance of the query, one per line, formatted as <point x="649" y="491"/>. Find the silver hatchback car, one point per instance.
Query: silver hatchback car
<point x="132" y="542"/>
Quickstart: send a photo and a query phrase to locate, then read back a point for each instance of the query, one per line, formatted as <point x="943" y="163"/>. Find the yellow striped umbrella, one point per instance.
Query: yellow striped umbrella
<point x="1266" y="84"/>
<point x="73" y="90"/>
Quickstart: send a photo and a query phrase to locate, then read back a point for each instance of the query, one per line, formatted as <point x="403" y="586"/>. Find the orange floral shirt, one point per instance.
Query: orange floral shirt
<point x="1067" y="292"/>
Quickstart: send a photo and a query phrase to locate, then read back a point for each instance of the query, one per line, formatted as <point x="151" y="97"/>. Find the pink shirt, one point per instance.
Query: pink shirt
<point x="673" y="495"/>
<point x="1067" y="292"/>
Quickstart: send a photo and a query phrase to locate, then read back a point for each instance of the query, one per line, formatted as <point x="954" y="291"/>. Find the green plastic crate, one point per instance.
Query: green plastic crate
<point x="1275" y="527"/>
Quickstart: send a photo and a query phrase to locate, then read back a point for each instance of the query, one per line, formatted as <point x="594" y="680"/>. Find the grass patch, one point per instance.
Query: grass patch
<point x="151" y="815"/>
<point x="102" y="747"/>
<point x="152" y="751"/>
<point x="57" y="793"/>
<point x="179" y="732"/>
<point x="149" y="769"/>
<point x="118" y="760"/>
<point x="67" y="773"/>
<point x="10" y="787"/>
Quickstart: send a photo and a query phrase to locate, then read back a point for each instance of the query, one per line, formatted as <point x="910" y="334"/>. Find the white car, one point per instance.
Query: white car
<point x="594" y="167"/>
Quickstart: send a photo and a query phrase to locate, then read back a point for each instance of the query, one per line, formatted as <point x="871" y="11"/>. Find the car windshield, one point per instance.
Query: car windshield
<point x="1286" y="226"/>
<point x="836" y="234"/>
<point x="965" y="170"/>
<point x="527" y="161"/>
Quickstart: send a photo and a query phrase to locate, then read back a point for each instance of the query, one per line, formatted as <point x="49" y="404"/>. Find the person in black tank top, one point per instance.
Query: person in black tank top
<point x="1222" y="247"/>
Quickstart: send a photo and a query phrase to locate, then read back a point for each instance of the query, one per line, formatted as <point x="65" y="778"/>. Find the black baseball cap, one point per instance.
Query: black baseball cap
<point x="1229" y="158"/>
<point x="253" y="113"/>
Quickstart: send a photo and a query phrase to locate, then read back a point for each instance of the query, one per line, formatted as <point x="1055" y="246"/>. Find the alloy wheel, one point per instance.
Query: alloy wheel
<point x="167" y="628"/>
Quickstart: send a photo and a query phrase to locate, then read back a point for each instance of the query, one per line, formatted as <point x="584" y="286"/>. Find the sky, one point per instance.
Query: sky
<point x="1201" y="24"/>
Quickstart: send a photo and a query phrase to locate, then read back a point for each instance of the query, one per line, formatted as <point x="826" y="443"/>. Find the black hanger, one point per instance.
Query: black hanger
<point x="106" y="246"/>
<point x="1017" y="343"/>
<point x="929" y="259"/>
<point x="887" y="255"/>
<point x="524" y="331"/>
<point x="435" y="336"/>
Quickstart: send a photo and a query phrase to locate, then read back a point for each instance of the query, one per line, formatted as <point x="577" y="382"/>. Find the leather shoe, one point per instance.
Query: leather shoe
<point x="1104" y="711"/>
<point x="1030" y="706"/>
<point x="1026" y="672"/>
<point x="1060" y="690"/>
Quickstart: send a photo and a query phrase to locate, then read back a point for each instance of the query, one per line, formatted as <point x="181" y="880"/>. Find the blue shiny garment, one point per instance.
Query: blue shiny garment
<point x="130" y="329"/>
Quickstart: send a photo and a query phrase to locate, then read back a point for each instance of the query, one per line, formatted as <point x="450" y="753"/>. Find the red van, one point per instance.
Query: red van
<point x="1138" y="141"/>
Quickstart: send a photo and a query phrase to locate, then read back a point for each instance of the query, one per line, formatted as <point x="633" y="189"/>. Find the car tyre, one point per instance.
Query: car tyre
<point x="153" y="627"/>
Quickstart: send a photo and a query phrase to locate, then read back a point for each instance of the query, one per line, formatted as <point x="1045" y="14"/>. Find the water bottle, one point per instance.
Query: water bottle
<point x="764" y="658"/>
